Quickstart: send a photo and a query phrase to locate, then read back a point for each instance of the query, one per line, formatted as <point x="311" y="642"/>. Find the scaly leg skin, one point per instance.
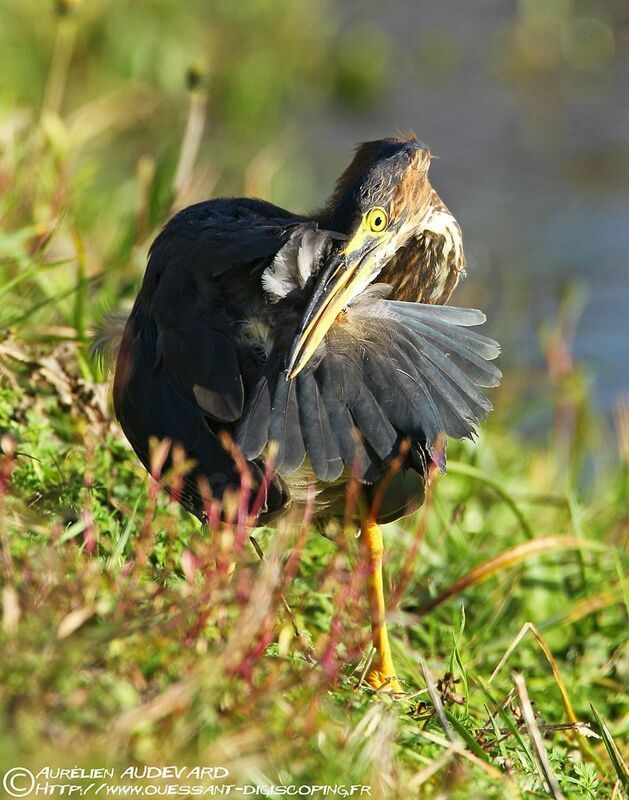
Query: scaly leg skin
<point x="382" y="674"/>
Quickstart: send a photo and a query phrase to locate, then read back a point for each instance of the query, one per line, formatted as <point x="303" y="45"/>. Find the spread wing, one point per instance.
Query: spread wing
<point x="386" y="371"/>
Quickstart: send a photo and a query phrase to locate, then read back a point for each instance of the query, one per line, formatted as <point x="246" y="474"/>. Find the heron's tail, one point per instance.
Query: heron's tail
<point x="106" y="337"/>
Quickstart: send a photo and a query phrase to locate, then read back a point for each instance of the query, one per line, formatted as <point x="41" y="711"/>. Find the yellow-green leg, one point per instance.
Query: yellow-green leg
<point x="382" y="672"/>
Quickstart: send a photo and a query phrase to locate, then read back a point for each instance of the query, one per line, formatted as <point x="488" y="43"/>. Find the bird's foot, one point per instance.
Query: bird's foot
<point x="384" y="681"/>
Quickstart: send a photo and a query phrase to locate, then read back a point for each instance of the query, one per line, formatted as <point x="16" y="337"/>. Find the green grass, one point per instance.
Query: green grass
<point x="125" y="636"/>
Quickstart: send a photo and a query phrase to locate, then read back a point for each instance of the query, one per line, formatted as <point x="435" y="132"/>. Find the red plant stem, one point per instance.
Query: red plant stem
<point x="411" y="556"/>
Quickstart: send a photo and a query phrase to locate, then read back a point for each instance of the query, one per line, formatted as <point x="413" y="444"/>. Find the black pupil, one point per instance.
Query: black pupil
<point x="378" y="221"/>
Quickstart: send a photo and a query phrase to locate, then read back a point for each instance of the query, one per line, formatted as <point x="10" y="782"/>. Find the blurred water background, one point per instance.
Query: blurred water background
<point x="526" y="103"/>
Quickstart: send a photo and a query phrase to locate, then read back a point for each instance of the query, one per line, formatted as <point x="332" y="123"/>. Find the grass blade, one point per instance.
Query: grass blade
<point x="612" y="749"/>
<point x="509" y="558"/>
<point x="536" y="739"/>
<point x="505" y="717"/>
<point x="466" y="736"/>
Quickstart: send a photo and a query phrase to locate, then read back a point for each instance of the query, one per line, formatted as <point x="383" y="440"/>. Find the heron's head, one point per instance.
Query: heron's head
<point x="383" y="195"/>
<point x="383" y="203"/>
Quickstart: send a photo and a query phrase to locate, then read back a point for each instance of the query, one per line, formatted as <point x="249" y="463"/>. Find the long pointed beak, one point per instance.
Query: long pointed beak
<point x="349" y="272"/>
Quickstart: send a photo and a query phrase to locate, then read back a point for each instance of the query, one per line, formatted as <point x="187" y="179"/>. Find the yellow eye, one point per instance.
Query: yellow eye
<point x="376" y="219"/>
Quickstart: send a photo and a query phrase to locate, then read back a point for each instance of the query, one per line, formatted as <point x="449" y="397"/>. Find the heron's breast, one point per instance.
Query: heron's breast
<point x="428" y="267"/>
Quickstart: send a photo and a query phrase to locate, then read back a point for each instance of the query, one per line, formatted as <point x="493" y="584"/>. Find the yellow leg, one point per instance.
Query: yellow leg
<point x="382" y="672"/>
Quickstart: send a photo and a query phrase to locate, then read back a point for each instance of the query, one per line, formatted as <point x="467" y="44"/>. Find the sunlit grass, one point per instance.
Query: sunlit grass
<point x="121" y="614"/>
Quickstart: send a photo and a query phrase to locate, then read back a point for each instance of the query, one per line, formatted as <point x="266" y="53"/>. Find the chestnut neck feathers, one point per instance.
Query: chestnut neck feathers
<point x="393" y="173"/>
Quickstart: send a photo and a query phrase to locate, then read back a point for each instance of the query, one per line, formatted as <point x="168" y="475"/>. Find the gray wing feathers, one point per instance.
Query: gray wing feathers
<point x="321" y="445"/>
<point x="285" y="428"/>
<point x="391" y="371"/>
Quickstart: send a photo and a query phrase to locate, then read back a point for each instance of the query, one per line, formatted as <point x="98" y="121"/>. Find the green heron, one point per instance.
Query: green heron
<point x="269" y="327"/>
